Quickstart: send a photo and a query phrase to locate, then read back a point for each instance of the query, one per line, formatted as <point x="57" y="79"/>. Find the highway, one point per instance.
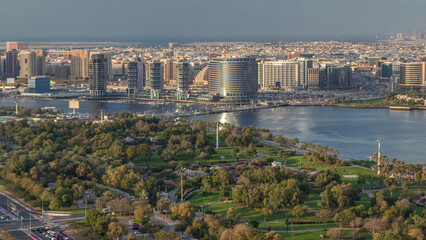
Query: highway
<point x="15" y="210"/>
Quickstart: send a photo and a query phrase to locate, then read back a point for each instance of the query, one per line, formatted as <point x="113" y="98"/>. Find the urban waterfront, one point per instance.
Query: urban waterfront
<point x="352" y="131"/>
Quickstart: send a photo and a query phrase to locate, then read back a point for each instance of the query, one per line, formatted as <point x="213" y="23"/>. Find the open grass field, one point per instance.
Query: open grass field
<point x="200" y="198"/>
<point x="155" y="161"/>
<point x="283" y="226"/>
<point x="299" y="161"/>
<point x="316" y="235"/>
<point x="251" y="214"/>
<point x="305" y="235"/>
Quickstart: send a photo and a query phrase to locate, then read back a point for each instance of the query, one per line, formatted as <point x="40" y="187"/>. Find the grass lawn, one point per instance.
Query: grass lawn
<point x="226" y="153"/>
<point x="155" y="161"/>
<point x="304" y="236"/>
<point x="74" y="211"/>
<point x="316" y="235"/>
<point x="381" y="102"/>
<point x="198" y="198"/>
<point x="295" y="160"/>
<point x="283" y="226"/>
<point x="251" y="214"/>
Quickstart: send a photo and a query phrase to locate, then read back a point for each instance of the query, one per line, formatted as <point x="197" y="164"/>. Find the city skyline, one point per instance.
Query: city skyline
<point x="209" y="20"/>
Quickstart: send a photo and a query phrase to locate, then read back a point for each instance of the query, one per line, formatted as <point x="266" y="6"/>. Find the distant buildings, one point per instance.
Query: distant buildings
<point x="233" y="79"/>
<point x="16" y="46"/>
<point x="98" y="72"/>
<point x="39" y="84"/>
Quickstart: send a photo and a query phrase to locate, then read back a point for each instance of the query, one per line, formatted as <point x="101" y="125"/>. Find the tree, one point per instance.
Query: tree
<point x="116" y="230"/>
<point x="337" y="197"/>
<point x="254" y="223"/>
<point x="335" y="233"/>
<point x="392" y="188"/>
<point x="183" y="212"/>
<point x="131" y="152"/>
<point x="143" y="213"/>
<point x="232" y="214"/>
<point x="172" y="235"/>
<point x="323" y="213"/>
<point x="298" y="211"/>
<point x="163" y="205"/>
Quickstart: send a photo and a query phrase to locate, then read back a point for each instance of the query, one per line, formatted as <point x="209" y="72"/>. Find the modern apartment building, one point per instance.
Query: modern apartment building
<point x="98" y="72"/>
<point x="233" y="79"/>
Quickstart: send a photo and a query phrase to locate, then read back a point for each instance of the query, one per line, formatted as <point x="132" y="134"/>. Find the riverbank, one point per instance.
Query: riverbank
<point x="378" y="103"/>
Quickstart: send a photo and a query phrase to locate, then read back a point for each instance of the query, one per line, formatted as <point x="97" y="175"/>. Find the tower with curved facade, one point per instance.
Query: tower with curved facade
<point x="233" y="79"/>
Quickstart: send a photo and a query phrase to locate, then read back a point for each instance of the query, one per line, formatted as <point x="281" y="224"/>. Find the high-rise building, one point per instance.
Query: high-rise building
<point x="386" y="70"/>
<point x="2" y="66"/>
<point x="233" y="79"/>
<point x="304" y="65"/>
<point x="12" y="65"/>
<point x="40" y="62"/>
<point x="202" y="77"/>
<point x="154" y="77"/>
<point x="411" y="74"/>
<point x="316" y="77"/>
<point x="182" y="79"/>
<point x="338" y="77"/>
<point x="27" y="64"/>
<point x="399" y="36"/>
<point x="39" y="84"/>
<point x="135" y="77"/>
<point x="168" y="67"/>
<point x="80" y="63"/>
<point x="98" y="67"/>
<point x="279" y="74"/>
<point x="16" y="46"/>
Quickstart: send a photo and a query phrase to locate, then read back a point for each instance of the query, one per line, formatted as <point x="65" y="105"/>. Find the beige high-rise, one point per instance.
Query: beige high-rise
<point x="40" y="61"/>
<point x="80" y="63"/>
<point x="27" y="64"/>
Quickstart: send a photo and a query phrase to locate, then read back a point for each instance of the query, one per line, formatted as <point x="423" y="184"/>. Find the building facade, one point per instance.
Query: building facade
<point x="98" y="72"/>
<point x="39" y="84"/>
<point x="154" y="77"/>
<point x="233" y="79"/>
<point x="135" y="77"/>
<point x="182" y="73"/>
<point x="411" y="74"/>
<point x="12" y="64"/>
<point x="27" y="64"/>
<point x="279" y="74"/>
<point x="80" y="63"/>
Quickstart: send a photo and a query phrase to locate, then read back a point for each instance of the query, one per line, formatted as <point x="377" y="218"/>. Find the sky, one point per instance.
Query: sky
<point x="207" y="19"/>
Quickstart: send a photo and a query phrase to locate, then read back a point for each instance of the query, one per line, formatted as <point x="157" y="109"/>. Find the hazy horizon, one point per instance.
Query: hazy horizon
<point x="80" y="20"/>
